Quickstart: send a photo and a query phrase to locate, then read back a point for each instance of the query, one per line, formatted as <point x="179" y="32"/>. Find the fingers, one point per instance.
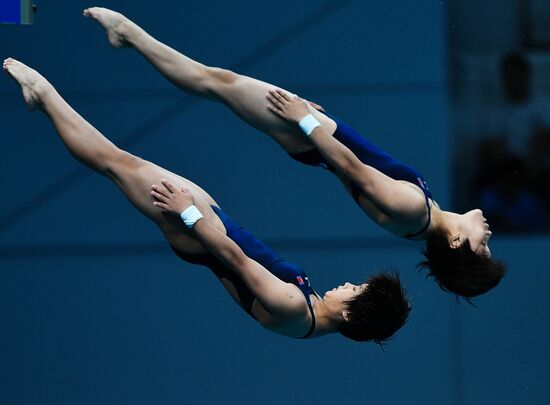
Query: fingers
<point x="275" y="101"/>
<point x="160" y="205"/>
<point x="159" y="197"/>
<point x="275" y="110"/>
<point x="283" y="95"/>
<point x="279" y="96"/>
<point x="317" y="106"/>
<point x="159" y="190"/>
<point x="168" y="186"/>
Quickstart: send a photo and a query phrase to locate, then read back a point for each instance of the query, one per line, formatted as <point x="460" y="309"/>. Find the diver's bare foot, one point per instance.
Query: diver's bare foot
<point x="34" y="86"/>
<point x="117" y="26"/>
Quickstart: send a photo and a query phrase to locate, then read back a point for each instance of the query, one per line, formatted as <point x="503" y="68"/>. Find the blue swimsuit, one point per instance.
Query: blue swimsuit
<point x="255" y="249"/>
<point x="373" y="156"/>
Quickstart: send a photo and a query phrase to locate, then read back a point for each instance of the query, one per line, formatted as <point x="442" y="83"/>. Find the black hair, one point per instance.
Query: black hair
<point x="377" y="312"/>
<point x="460" y="270"/>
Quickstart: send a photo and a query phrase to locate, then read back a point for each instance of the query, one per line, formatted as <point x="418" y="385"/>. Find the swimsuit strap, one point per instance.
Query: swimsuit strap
<point x="312" y="327"/>
<point x="412" y="235"/>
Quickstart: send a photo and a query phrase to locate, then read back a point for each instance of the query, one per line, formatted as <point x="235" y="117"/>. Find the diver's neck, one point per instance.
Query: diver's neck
<point x="324" y="322"/>
<point x="445" y="222"/>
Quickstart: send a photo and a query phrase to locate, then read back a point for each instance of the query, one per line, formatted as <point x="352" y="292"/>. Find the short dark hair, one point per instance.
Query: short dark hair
<point x="379" y="311"/>
<point x="460" y="270"/>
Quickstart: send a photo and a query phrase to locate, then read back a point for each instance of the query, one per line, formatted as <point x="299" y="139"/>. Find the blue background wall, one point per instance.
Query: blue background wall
<point x="96" y="309"/>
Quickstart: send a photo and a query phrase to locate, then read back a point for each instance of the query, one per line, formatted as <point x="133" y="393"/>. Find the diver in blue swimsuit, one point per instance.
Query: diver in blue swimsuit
<point x="394" y="195"/>
<point x="276" y="293"/>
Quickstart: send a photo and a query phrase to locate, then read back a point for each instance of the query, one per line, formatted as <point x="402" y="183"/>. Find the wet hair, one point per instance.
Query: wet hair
<point x="460" y="270"/>
<point x="378" y="312"/>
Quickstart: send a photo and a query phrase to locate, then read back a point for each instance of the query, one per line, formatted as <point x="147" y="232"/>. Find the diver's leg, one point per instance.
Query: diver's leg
<point x="134" y="176"/>
<point x="244" y="95"/>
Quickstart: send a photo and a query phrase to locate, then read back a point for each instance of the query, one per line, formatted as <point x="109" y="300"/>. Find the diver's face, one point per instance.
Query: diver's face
<point x="341" y="294"/>
<point x="479" y="233"/>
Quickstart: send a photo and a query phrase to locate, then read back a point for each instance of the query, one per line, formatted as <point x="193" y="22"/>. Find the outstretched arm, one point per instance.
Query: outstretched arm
<point x="278" y="297"/>
<point x="393" y="197"/>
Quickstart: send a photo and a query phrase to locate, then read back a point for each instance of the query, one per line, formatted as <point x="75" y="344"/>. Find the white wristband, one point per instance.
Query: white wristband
<point x="308" y="124"/>
<point x="191" y="215"/>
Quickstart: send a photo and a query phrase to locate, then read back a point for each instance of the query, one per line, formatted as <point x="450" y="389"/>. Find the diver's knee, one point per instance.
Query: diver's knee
<point x="218" y="80"/>
<point x="119" y="162"/>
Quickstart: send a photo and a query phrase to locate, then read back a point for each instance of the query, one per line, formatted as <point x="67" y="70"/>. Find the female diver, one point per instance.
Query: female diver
<point x="276" y="293"/>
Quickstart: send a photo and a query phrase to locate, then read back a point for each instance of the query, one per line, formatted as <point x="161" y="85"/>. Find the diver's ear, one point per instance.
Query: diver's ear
<point x="345" y="315"/>
<point x="455" y="241"/>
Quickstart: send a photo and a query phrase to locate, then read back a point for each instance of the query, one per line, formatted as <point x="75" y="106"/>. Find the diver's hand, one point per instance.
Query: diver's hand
<point x="289" y="108"/>
<point x="169" y="199"/>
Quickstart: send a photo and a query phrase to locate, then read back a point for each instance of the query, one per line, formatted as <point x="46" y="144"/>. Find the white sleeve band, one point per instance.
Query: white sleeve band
<point x="191" y="215"/>
<point x="308" y="124"/>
